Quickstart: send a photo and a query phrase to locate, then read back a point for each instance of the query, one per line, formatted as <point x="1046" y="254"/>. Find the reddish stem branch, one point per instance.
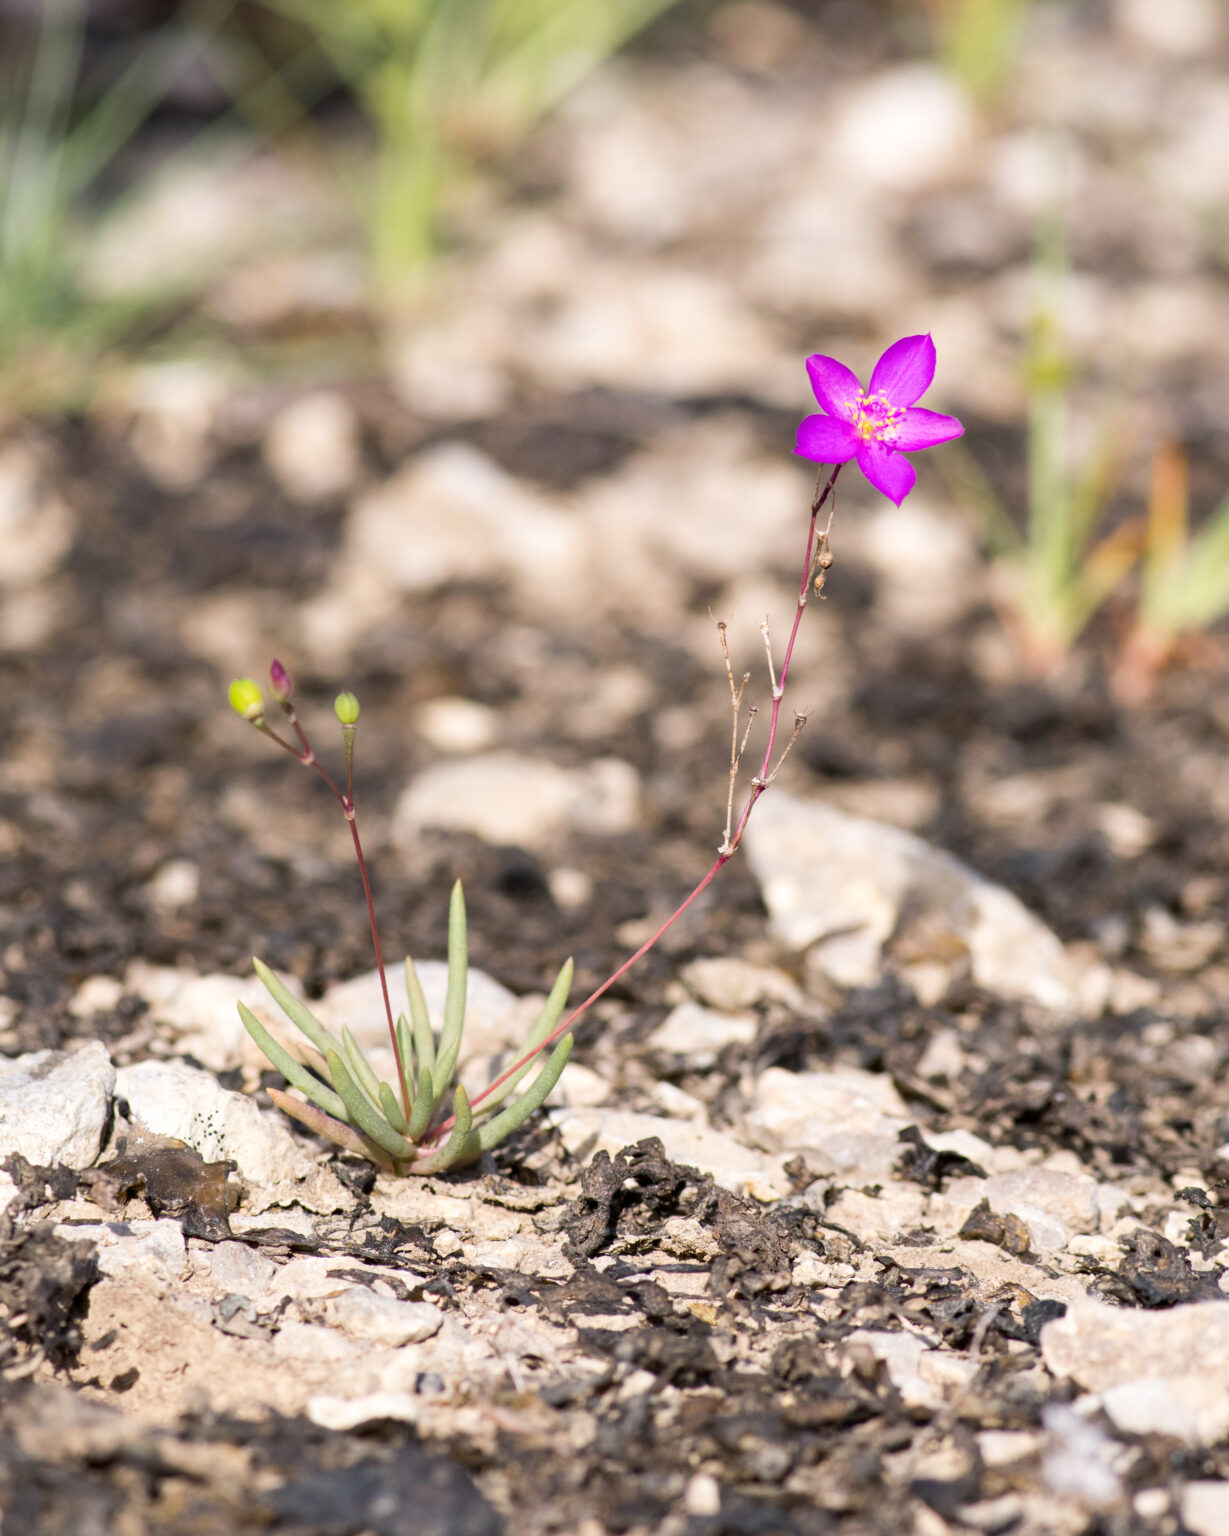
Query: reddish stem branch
<point x="308" y="758"/>
<point x="729" y="845"/>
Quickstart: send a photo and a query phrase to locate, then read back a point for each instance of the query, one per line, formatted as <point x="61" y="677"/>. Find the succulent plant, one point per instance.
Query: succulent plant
<point x="406" y="1128"/>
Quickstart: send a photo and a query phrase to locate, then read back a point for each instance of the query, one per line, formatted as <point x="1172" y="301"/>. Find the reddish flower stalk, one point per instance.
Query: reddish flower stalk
<point x="347" y="714"/>
<point x="816" y="550"/>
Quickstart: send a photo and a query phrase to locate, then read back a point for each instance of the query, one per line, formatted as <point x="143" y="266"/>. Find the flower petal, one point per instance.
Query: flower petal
<point x="836" y="387"/>
<point x="924" y="429"/>
<point x="905" y="370"/>
<point x="887" y="470"/>
<point x="825" y="440"/>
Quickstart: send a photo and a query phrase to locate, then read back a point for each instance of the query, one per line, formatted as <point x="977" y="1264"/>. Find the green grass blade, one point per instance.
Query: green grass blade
<point x="424" y="1035"/>
<point x="363" y="1113"/>
<point x="392" y="1110"/>
<point x="297" y="1012"/>
<point x="324" y="1125"/>
<point x="493" y="1132"/>
<point x="294" y="1072"/>
<point x="547" y="1020"/>
<point x="424" y="1106"/>
<point x="455" y="1146"/>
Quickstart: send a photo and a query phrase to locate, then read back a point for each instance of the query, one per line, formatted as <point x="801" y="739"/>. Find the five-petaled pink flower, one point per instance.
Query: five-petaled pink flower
<point x="877" y="426"/>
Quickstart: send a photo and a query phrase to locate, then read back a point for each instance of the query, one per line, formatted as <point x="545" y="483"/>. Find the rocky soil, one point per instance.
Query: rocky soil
<point x="888" y="1195"/>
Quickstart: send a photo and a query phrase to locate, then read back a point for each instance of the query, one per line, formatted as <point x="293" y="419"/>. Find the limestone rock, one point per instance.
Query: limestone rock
<point x="841" y="883"/>
<point x="509" y="798"/>
<point x="362" y="1314"/>
<point x="54" y="1105"/>
<point x="1155" y="1372"/>
<point x="170" y="1098"/>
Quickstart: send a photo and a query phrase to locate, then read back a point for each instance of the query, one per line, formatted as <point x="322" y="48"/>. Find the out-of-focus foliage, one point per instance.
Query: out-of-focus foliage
<point x="64" y="122"/>
<point x="1184" y="577"/>
<point x="449" y="83"/>
<point x="1059" y="572"/>
<point x="979" y="40"/>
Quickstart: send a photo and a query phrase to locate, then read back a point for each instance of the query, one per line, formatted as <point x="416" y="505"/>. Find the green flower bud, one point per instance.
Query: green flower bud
<point x="246" y="699"/>
<point x="345" y="707"/>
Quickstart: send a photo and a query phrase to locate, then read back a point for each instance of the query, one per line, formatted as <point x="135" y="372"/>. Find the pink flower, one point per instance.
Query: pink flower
<point x="877" y="426"/>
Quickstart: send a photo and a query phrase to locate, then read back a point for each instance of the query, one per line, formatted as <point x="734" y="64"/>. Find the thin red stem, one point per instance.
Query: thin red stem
<point x="758" y="785"/>
<point x="307" y="757"/>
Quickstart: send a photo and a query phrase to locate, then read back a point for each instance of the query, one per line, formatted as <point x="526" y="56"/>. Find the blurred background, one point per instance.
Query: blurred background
<point x="451" y="351"/>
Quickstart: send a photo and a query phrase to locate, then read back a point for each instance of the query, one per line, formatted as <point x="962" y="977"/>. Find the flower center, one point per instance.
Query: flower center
<point x="874" y="416"/>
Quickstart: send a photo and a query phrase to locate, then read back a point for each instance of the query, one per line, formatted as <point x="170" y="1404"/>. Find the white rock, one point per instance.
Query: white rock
<point x="236" y="1268"/>
<point x="882" y="1218"/>
<point x="456" y="367"/>
<point x="176" y="884"/>
<point x="312" y="1344"/>
<point x="790" y="1111"/>
<point x="457" y="725"/>
<point x="1190" y="1408"/>
<point x="904" y="129"/>
<point x="203" y="1012"/>
<point x="725" y="981"/>
<point x="904" y="546"/>
<point x="36" y="525"/>
<point x="54" y="1105"/>
<point x="198" y="219"/>
<point x="733" y="1166"/>
<point x="173" y="408"/>
<point x="1205" y="1507"/>
<point x="508" y="798"/>
<point x="1163" y="1372"/>
<point x="1078" y="1460"/>
<point x="345" y="1413"/>
<point x="312" y="447"/>
<point x="921" y="1374"/>
<point x="362" y="1314"/>
<point x="682" y="503"/>
<point x="143" y="1247"/>
<point x="650" y="327"/>
<point x="1192" y="162"/>
<point x="170" y="1098"/>
<point x="701" y="1034"/>
<point x="805" y="259"/>
<point x="452" y="514"/>
<point x="1052" y="1204"/>
<point x="843" y="881"/>
<point x="1179" y="29"/>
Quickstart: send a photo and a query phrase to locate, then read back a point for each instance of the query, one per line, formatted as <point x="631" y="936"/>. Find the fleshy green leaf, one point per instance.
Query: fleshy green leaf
<point x="454" y="999"/>
<point x="455" y="1146"/>
<point x="297" y="1012"/>
<point x="405" y="1045"/>
<point x="363" y="1113"/>
<point x="360" y="1067"/>
<point x="424" y="1035"/>
<point x="392" y="1110"/>
<point x="547" y="1020"/>
<point x="324" y="1125"/>
<point x="424" y="1106"/>
<point x="494" y="1131"/>
<point x="294" y="1073"/>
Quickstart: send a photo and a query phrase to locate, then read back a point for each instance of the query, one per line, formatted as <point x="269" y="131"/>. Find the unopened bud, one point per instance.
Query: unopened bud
<point x="281" y="682"/>
<point x="345" y="707"/>
<point x="246" y="699"/>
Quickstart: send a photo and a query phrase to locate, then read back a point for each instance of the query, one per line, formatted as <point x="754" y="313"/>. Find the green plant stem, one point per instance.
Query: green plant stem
<point x="759" y="784"/>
